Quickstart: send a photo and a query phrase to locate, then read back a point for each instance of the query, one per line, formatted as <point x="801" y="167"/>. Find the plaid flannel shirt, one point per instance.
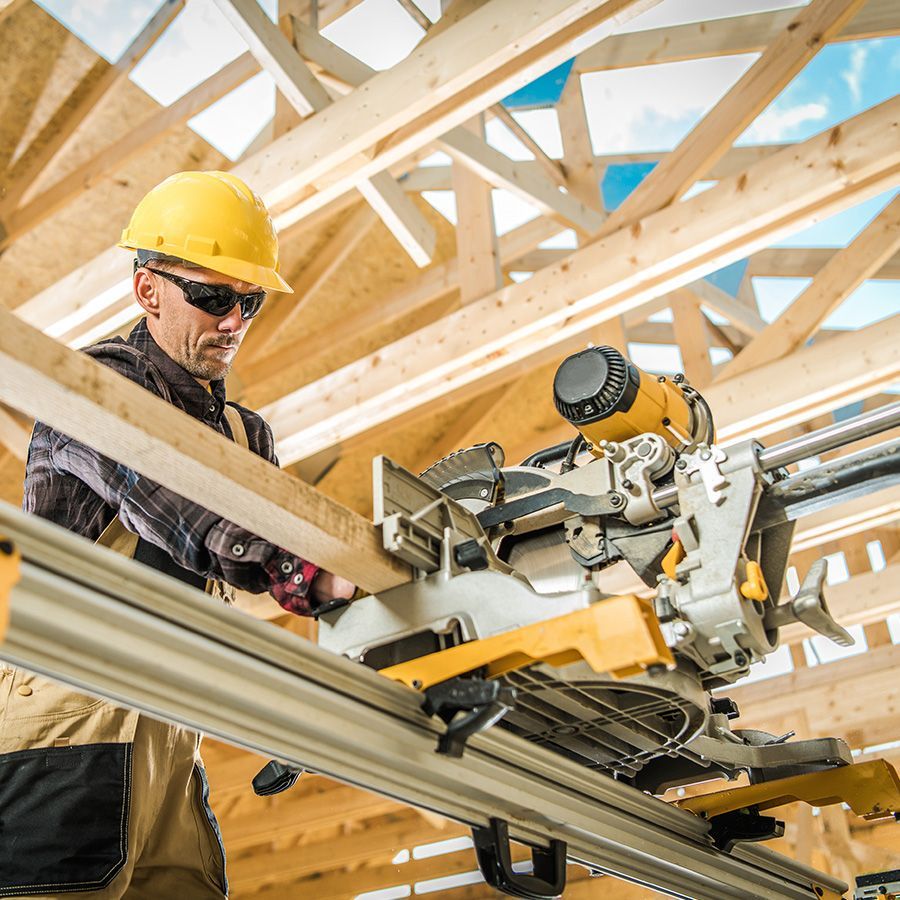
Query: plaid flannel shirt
<point x="74" y="486"/>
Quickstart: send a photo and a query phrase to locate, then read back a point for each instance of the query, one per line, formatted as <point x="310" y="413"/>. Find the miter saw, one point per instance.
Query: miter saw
<point x="596" y="598"/>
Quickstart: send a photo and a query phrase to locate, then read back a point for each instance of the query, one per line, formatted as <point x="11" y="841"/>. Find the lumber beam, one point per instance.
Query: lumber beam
<point x="306" y="94"/>
<point x="837" y="280"/>
<point x="849" y="518"/>
<point x="494" y="50"/>
<point x="812" y="381"/>
<point x="287" y="308"/>
<point x="692" y="337"/>
<point x="477" y="250"/>
<point x="798" y="43"/>
<point x="55" y="136"/>
<point x="150" y="132"/>
<point x="13" y="435"/>
<point x="739" y="314"/>
<point x="806" y="262"/>
<point x="93" y="404"/>
<point x="672" y="248"/>
<point x="838" y="697"/>
<point x="532" y="187"/>
<point x="372" y="845"/>
<point x="551" y="167"/>
<point x="307" y="813"/>
<point x="726" y="36"/>
<point x="582" y="173"/>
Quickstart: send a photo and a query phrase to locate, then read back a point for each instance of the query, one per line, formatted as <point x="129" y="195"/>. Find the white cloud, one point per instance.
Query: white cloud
<point x="777" y="124"/>
<point x="853" y="75"/>
<point x="654" y="107"/>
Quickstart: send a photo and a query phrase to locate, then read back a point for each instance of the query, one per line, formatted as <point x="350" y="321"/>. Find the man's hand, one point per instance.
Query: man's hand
<point x="327" y="587"/>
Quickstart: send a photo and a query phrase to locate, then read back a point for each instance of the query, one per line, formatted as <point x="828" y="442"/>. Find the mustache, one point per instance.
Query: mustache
<point x="223" y="341"/>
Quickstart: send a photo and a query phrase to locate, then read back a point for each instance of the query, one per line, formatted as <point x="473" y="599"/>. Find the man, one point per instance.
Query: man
<point x="94" y="799"/>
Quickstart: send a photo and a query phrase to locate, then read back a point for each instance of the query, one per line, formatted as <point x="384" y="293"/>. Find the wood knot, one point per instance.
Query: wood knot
<point x="742" y="181"/>
<point x="835" y="136"/>
<point x="636" y="229"/>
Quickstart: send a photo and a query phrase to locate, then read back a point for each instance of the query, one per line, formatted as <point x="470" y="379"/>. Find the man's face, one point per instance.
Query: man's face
<point x="202" y="344"/>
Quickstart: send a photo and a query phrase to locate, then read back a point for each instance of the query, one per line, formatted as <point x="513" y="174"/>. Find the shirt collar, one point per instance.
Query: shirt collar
<point x="195" y="397"/>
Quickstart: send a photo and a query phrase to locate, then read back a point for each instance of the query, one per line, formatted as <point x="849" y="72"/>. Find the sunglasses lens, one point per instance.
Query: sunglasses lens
<point x="251" y="304"/>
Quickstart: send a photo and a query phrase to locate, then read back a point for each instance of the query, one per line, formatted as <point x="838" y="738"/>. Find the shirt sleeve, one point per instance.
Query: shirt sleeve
<point x="194" y="537"/>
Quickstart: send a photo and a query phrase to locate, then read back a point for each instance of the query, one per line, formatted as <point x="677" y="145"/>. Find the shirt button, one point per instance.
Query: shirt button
<point x="212" y="407"/>
<point x="24" y="690"/>
<point x="287" y="567"/>
<point x="238" y="549"/>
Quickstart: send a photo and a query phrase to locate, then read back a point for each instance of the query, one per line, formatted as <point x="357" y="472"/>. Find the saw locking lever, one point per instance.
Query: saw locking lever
<point x="810" y="608"/>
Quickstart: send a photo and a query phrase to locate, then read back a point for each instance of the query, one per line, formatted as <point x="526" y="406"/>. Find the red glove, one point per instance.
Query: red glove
<point x="290" y="583"/>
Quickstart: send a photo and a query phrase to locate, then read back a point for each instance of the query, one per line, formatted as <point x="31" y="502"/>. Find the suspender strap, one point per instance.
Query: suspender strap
<point x="119" y="539"/>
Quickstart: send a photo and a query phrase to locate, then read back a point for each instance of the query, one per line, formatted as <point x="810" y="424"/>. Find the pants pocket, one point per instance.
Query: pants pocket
<point x="212" y="847"/>
<point x="63" y="817"/>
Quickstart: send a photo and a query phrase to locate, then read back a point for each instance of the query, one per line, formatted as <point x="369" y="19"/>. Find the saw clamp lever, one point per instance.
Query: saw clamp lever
<point x="481" y="702"/>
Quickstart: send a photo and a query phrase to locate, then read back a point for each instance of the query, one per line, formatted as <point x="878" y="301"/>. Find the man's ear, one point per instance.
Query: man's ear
<point x="146" y="292"/>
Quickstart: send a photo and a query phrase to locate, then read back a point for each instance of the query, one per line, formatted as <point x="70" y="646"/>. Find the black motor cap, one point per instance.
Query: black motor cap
<point x="594" y="384"/>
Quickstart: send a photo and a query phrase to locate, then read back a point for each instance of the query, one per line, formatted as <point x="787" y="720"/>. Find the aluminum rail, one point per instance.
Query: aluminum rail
<point x="824" y="439"/>
<point x="113" y="627"/>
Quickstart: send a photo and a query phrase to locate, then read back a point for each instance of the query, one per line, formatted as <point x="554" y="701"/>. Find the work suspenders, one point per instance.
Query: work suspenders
<point x="119" y="539"/>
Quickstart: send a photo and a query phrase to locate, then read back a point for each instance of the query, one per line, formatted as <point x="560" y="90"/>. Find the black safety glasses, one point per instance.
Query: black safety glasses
<point x="215" y="299"/>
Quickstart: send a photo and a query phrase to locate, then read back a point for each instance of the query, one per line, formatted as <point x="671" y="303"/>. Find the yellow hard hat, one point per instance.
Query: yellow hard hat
<point x="211" y="219"/>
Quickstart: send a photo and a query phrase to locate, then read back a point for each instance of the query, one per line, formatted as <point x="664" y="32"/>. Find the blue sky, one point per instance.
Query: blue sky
<point x="650" y="108"/>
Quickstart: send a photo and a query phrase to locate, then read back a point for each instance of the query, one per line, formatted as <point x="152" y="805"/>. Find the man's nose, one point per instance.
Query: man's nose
<point x="232" y="323"/>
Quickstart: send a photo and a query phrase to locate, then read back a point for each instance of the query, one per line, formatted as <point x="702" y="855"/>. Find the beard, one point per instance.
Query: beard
<point x="201" y="364"/>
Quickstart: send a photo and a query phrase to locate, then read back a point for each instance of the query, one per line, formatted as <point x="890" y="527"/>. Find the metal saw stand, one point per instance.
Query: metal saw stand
<point x="110" y="626"/>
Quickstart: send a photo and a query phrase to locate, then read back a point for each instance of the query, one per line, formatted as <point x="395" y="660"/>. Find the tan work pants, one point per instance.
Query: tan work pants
<point x="100" y="800"/>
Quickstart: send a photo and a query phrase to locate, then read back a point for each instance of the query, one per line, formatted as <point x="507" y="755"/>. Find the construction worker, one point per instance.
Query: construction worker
<point x="96" y="799"/>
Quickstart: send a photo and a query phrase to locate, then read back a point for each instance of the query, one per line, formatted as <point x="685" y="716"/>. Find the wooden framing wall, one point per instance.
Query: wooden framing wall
<point x="416" y="341"/>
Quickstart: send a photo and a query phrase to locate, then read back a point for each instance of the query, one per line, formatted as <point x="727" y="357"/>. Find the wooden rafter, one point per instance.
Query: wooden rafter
<point x="839" y="277"/>
<point x="59" y="131"/>
<point x="724" y="37"/>
<point x="305" y="93"/>
<point x="801" y="39"/>
<point x="674" y="247"/>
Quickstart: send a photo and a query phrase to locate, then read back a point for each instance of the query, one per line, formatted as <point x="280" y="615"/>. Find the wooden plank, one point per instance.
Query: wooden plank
<point x="723" y="37"/>
<point x="287" y="308"/>
<point x="141" y="138"/>
<point x="413" y="231"/>
<point x="372" y="845"/>
<point x="692" y="337"/>
<point x="673" y="248"/>
<point x="477" y="251"/>
<point x="495" y="49"/>
<point x="550" y="166"/>
<point x="852" y="517"/>
<point x="304" y="92"/>
<point x="532" y="187"/>
<point x="840" y="695"/>
<point x="90" y="402"/>
<point x="305" y="813"/>
<point x="268" y="379"/>
<point x="582" y="174"/>
<point x="268" y="45"/>
<point x="437" y="178"/>
<point x="739" y="314"/>
<point x="717" y="130"/>
<point x="13" y="435"/>
<point x="839" y="278"/>
<point x="55" y="136"/>
<point x="805" y="262"/>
